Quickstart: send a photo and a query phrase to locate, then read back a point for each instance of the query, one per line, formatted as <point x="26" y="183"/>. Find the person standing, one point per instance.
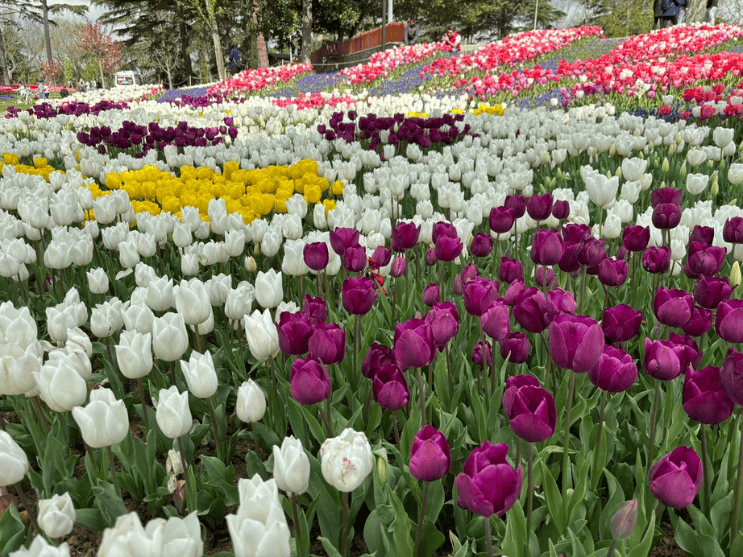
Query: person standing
<point x="235" y="56"/>
<point x="411" y="32"/>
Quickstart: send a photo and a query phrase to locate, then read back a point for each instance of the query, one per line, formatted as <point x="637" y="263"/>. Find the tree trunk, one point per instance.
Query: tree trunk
<point x="696" y="11"/>
<point x="217" y="43"/>
<point x="260" y="43"/>
<point x="170" y="78"/>
<point x="100" y="67"/>
<point x="183" y="32"/>
<point x="4" y="60"/>
<point x="47" y="36"/>
<point x="306" y="30"/>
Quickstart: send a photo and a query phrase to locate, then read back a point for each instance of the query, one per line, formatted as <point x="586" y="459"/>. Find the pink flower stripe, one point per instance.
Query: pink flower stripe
<point x="257" y="79"/>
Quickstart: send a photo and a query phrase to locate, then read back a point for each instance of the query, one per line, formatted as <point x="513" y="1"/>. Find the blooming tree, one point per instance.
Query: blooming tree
<point x="92" y="40"/>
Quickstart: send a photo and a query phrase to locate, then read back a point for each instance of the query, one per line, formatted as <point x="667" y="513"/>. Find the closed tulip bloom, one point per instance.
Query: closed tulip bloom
<point x="381" y="257"/>
<point x="515" y="347"/>
<point x="390" y="388"/>
<point x="636" y="238"/>
<point x="263" y="338"/>
<point x="561" y="301"/>
<point x="665" y="195"/>
<point x="517" y="203"/>
<point x="615" y="372"/>
<point x="60" y="386"/>
<point x="510" y="270"/>
<point x="97" y="281"/>
<point x="547" y="247"/>
<point x="160" y="295"/>
<point x="169" y="337"/>
<point x="342" y="238"/>
<point x="310" y="381"/>
<point x="479" y="293"/>
<point x="514" y="291"/>
<point x="172" y="412"/>
<point x="704" y="260"/>
<point x="294" y="330"/>
<point x="358" y="295"/>
<point x="664" y="360"/>
<point x="104" y="421"/>
<point x="399" y="266"/>
<point x="496" y="320"/>
<point x="327" y="343"/>
<point x="481" y="353"/>
<point x="268" y="289"/>
<point x="732" y="230"/>
<point x="259" y="528"/>
<point x="703" y="234"/>
<point x="709" y="292"/>
<point x="134" y="354"/>
<point x="530" y="409"/>
<point x="729" y="321"/>
<point x="291" y="467"/>
<point x="703" y="397"/>
<point x="621" y="323"/>
<point x="488" y="485"/>
<point x="57" y="515"/>
<point x="672" y="306"/>
<point x="346" y="460"/>
<point x="699" y="323"/>
<point x="430" y="257"/>
<point x="405" y="236"/>
<point x="501" y="219"/>
<point x="576" y="342"/>
<point x="544" y="276"/>
<point x="138" y="317"/>
<point x="731" y="376"/>
<point x="430" y="457"/>
<point x="376" y="357"/>
<point x="316" y="255"/>
<point x="482" y="245"/>
<point x="569" y="260"/>
<point x="561" y="209"/>
<point x="444" y="321"/>
<point x="613" y="272"/>
<point x="192" y="301"/>
<point x="251" y="402"/>
<point x="200" y="374"/>
<point x="413" y="344"/>
<point x="431" y="294"/>
<point x="675" y="478"/>
<point x="531" y="310"/>
<point x="539" y="207"/>
<point x="316" y="309"/>
<point x="448" y="248"/>
<point x="666" y="216"/>
<point x="624" y="520"/>
<point x="354" y="258"/>
<point x="13" y="461"/>
<point x="656" y="260"/>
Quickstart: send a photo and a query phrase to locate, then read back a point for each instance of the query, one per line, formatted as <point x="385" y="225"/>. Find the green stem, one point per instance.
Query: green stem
<point x="344" y="540"/>
<point x="326" y="417"/>
<point x="183" y="456"/>
<point x="421" y="395"/>
<point x="566" y="468"/>
<point x="295" y="514"/>
<point x="40" y="413"/>
<point x="530" y="493"/>
<point x="356" y="345"/>
<point x="488" y="537"/>
<point x="738" y="487"/>
<point x="653" y="423"/>
<point x="448" y="370"/>
<point x="29" y="509"/>
<point x="705" y="473"/>
<point x="111" y="464"/>
<point x="140" y="387"/>
<point x="217" y="439"/>
<point x="612" y="547"/>
<point x="421" y="518"/>
<point x="595" y="468"/>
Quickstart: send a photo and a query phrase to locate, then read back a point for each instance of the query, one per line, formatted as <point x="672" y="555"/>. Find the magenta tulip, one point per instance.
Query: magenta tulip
<point x="430" y="458"/>
<point x="576" y="342"/>
<point x="675" y="478"/>
<point x="704" y="399"/>
<point x="413" y="344"/>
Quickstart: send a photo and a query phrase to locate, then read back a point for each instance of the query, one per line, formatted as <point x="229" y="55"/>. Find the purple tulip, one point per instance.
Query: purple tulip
<point x="561" y="301"/>
<point x="380" y="258"/>
<point x="569" y="261"/>
<point x="310" y="381"/>
<point x="430" y="458"/>
<point x="731" y="376"/>
<point x="575" y="233"/>
<point x="621" y="323"/>
<point x="675" y="478"/>
<point x="613" y="272"/>
<point x="390" y="388"/>
<point x="413" y="344"/>
<point x="443" y="228"/>
<point x="732" y="230"/>
<point x="704" y="260"/>
<point x="666" y="216"/>
<point x="514" y="383"/>
<point x="481" y="353"/>
<point x="690" y="353"/>
<point x="358" y="295"/>
<point x="517" y="203"/>
<point x="704" y="398"/>
<point x="399" y="266"/>
<point x="501" y="219"/>
<point x="354" y="258"/>
<point x="377" y="356"/>
<point x="672" y="306"/>
<point x="294" y="331"/>
<point x="729" y="321"/>
<point x="327" y="343"/>
<point x="545" y="277"/>
<point x="636" y="238"/>
<point x="665" y="195"/>
<point x="576" y="342"/>
<point x="431" y="294"/>
<point x="444" y="321"/>
<point x="539" y="207"/>
<point x="316" y="255"/>
<point x="656" y="260"/>
<point x="430" y="257"/>
<point x="514" y="290"/>
<point x="531" y="310"/>
<point x="479" y="293"/>
<point x="515" y="347"/>
<point x="593" y="252"/>
<point x="699" y="323"/>
<point x="510" y="270"/>
<point x="615" y="372"/>
<point x="315" y="308"/>
<point x="709" y="292"/>
<point x="342" y="238"/>
<point x="664" y="360"/>
<point x="561" y="210"/>
<point x="448" y="248"/>
<point x="496" y="320"/>
<point x="531" y="410"/>
<point x="488" y="485"/>
<point x="703" y="234"/>
<point x="405" y="236"/>
<point x="547" y="247"/>
<point x="482" y="245"/>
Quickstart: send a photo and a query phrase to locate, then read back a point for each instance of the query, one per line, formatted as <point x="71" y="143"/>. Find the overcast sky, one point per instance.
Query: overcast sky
<point x="93" y="13"/>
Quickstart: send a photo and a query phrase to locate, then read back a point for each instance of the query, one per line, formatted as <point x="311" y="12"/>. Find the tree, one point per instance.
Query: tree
<point x="92" y="39"/>
<point x="207" y="13"/>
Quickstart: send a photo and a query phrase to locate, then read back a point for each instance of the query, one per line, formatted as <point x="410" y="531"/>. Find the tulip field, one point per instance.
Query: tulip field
<point x="433" y="305"/>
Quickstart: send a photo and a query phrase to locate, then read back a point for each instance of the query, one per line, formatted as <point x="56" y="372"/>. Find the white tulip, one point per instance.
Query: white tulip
<point x="251" y="402"/>
<point x="291" y="467"/>
<point x="346" y="460"/>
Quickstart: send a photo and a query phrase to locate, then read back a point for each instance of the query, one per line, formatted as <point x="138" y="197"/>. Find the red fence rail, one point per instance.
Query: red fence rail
<point x="364" y="41"/>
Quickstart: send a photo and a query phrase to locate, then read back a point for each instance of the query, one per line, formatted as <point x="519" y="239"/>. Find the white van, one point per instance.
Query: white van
<point x="126" y="78"/>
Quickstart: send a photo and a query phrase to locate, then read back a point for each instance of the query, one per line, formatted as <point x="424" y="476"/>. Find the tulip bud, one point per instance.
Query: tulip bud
<point x="57" y="515"/>
<point x="104" y="422"/>
<point x="291" y="467"/>
<point x="14" y="461"/>
<point x="735" y="278"/>
<point x="666" y="165"/>
<point x="624" y="520"/>
<point x="172" y="412"/>
<point x="251" y="402"/>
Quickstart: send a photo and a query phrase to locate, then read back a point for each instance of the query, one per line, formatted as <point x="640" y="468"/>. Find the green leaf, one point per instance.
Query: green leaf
<point x="643" y="548"/>
<point x="431" y="539"/>
<point x="12" y="531"/>
<point x="400" y="526"/>
<point x="376" y="533"/>
<point x="92" y="519"/>
<point x="436" y="497"/>
<point x="554" y="499"/>
<point x="108" y="502"/>
<point x="515" y="539"/>
<point x="720" y="515"/>
<point x="329" y="548"/>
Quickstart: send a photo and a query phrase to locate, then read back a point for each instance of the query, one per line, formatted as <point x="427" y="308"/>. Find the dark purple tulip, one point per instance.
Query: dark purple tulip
<point x="546" y="247"/>
<point x="380" y="258"/>
<point x="513" y="384"/>
<point x="469" y="272"/>
<point x="315" y="308"/>
<point x="310" y="382"/>
<point x="390" y="388"/>
<point x="613" y="272"/>
<point x="294" y="332"/>
<point x="623" y="253"/>
<point x="441" y="229"/>
<point x="531" y="411"/>
<point x="481" y="353"/>
<point x="482" y="245"/>
<point x="479" y="293"/>
<point x="663" y="359"/>
<point x="430" y="458"/>
<point x="444" y="320"/>
<point x="501" y="219"/>
<point x="690" y="353"/>
<point x="327" y="343"/>
<point x="703" y="234"/>
<point x="517" y="203"/>
<point x="636" y="238"/>
<point x="576" y="342"/>
<point x="710" y="291"/>
<point x="377" y="356"/>
<point x="496" y="320"/>
<point x="358" y="295"/>
<point x="532" y="310"/>
<point x="431" y="294"/>
<point x="457" y="286"/>
<point x="704" y="398"/>
<point x="405" y="236"/>
<point x="488" y="485"/>
<point x="665" y="195"/>
<point x="704" y="260"/>
<point x="656" y="260"/>
<point x="729" y="321"/>
<point x="342" y="238"/>
<point x="672" y="306"/>
<point x="510" y="270"/>
<point x="545" y="277"/>
<point x="575" y="233"/>
<point x="539" y="207"/>
<point x="399" y="266"/>
<point x="514" y="290"/>
<point x="515" y="347"/>
<point x="593" y="252"/>
<point x="316" y="255"/>
<point x="675" y="478"/>
<point x="354" y="259"/>
<point x="699" y="323"/>
<point x="430" y="257"/>
<point x="448" y="248"/>
<point x="666" y="215"/>
<point x="615" y="372"/>
<point x="413" y="344"/>
<point x="621" y="323"/>
<point x="561" y="301"/>
<point x="731" y="376"/>
<point x="569" y="261"/>
<point x="732" y="230"/>
<point x="561" y="210"/>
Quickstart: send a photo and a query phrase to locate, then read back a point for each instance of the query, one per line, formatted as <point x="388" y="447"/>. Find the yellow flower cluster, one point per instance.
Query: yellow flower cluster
<point x="417" y="114"/>
<point x="252" y="193"/>
<point x="40" y="167"/>
<point x="486" y="109"/>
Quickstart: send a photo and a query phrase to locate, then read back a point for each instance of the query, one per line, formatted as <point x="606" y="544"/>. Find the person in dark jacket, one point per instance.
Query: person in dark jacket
<point x="665" y="13"/>
<point x="235" y="56"/>
<point x="411" y="32"/>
